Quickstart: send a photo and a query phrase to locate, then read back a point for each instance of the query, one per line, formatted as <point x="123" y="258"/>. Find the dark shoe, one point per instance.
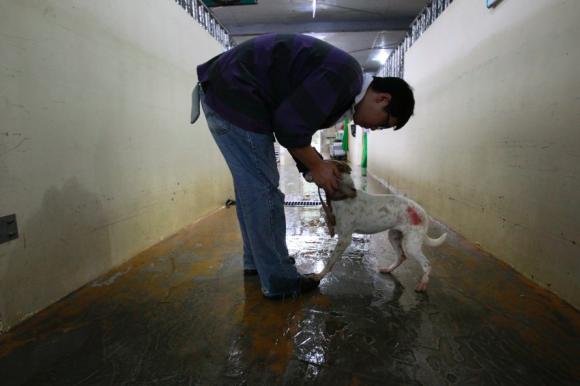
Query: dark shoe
<point x="308" y="284"/>
<point x="250" y="272"/>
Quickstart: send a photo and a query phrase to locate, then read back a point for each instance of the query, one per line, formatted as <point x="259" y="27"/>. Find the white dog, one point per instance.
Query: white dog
<point x="356" y="211"/>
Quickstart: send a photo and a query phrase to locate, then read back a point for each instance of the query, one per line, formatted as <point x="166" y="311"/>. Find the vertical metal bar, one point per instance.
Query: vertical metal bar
<point x="417" y="27"/>
<point x="400" y="62"/>
<point x="435" y="10"/>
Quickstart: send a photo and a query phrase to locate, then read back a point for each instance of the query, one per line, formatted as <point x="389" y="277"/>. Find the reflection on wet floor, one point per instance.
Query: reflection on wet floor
<point x="182" y="313"/>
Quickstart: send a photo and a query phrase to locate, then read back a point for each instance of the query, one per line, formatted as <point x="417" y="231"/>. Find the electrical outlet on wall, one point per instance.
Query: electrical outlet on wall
<point x="8" y="228"/>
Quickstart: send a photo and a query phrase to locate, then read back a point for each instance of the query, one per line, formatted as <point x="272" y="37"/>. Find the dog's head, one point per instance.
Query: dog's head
<point x="346" y="187"/>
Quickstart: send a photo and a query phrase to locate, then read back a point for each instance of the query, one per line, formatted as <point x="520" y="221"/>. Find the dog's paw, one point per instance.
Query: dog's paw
<point x="421" y="287"/>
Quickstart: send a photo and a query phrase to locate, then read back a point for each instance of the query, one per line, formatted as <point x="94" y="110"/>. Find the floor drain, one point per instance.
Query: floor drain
<point x="302" y="203"/>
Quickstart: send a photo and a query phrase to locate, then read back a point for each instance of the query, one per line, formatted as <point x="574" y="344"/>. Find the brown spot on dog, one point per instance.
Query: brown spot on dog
<point x="414" y="216"/>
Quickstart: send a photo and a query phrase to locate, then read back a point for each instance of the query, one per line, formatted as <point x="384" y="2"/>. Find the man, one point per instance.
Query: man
<point x="285" y="87"/>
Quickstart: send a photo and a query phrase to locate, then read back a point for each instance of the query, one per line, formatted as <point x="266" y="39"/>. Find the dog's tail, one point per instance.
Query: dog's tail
<point x="435" y="242"/>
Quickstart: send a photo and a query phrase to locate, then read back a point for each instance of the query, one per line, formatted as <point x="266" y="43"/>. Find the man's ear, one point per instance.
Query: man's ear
<point x="383" y="98"/>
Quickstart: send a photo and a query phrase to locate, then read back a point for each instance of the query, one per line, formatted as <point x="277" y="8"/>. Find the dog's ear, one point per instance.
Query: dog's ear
<point x="345" y="190"/>
<point x="343" y="167"/>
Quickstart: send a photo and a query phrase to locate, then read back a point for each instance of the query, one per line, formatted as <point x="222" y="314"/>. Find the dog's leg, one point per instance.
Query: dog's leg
<point x="412" y="243"/>
<point x="343" y="242"/>
<point x="395" y="237"/>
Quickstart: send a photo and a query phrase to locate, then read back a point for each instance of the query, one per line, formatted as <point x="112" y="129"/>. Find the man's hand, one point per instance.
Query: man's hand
<point x="326" y="175"/>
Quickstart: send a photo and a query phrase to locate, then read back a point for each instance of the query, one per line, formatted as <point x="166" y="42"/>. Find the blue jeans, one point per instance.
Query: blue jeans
<point x="259" y="203"/>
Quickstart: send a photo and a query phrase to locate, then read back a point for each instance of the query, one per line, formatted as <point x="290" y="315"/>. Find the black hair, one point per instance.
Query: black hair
<point x="402" y="104"/>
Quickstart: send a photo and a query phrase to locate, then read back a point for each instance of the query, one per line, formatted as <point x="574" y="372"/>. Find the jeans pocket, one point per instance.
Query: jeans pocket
<point x="217" y="125"/>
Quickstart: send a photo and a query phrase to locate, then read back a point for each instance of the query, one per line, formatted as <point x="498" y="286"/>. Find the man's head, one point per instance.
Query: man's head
<point x="388" y="102"/>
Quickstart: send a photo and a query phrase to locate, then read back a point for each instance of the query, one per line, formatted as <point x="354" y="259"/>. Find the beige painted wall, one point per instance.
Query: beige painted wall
<point x="97" y="158"/>
<point x="494" y="147"/>
<point x="355" y="147"/>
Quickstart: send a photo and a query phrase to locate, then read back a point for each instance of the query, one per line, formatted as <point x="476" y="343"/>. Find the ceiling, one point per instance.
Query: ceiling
<point x="366" y="29"/>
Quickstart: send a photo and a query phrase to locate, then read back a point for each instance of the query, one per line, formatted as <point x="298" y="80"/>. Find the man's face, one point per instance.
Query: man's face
<point x="370" y="111"/>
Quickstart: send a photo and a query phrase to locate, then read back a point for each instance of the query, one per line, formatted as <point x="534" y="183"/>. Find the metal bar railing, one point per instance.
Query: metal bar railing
<point x="201" y="13"/>
<point x="395" y="64"/>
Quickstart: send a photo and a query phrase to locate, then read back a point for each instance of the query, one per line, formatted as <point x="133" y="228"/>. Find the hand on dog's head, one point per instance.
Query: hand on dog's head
<point x="345" y="187"/>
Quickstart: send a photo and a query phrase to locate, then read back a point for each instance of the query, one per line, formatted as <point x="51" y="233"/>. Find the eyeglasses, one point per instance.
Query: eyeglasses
<point x="386" y="125"/>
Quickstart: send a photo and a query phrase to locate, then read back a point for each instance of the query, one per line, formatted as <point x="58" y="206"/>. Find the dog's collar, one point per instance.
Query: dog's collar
<point x="328" y="215"/>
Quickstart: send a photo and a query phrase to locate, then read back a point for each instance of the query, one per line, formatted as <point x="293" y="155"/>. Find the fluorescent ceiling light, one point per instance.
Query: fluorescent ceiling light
<point x="313" y="9"/>
<point x="317" y="35"/>
<point x="381" y="55"/>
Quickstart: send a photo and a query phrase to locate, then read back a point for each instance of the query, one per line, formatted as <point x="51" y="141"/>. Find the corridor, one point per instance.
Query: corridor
<point x="121" y="259"/>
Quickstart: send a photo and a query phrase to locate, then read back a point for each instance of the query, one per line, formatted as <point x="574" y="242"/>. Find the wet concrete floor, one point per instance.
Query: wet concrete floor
<point x="181" y="313"/>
